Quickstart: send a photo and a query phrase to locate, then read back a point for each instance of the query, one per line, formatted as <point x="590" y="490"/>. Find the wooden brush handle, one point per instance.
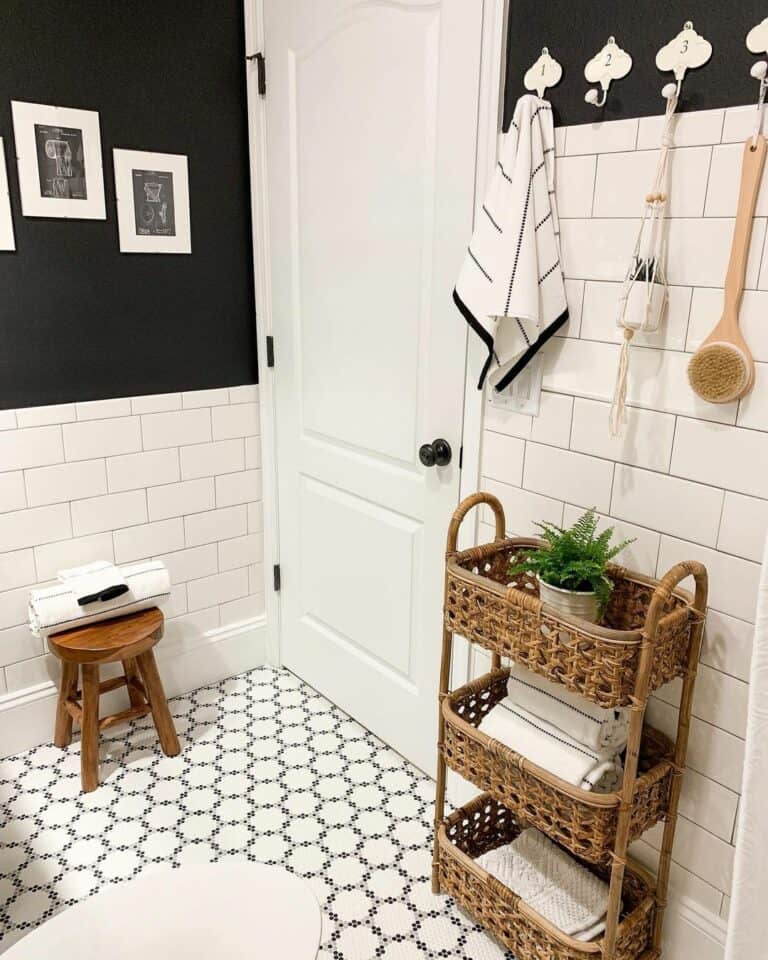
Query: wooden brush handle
<point x="751" y="176"/>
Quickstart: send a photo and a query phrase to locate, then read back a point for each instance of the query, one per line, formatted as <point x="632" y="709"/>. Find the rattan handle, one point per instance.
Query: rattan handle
<point x="463" y="509"/>
<point x="667" y="584"/>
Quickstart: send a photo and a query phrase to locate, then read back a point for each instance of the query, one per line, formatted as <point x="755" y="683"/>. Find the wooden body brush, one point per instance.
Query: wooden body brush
<point x="722" y="369"/>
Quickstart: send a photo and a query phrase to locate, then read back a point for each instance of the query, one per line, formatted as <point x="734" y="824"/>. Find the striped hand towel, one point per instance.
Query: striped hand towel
<point x="55" y="609"/>
<point x="511" y="290"/>
<point x="552" y="749"/>
<point x="596" y="727"/>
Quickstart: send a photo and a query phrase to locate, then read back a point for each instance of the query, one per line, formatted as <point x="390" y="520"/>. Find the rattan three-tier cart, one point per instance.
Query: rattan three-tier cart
<point x="650" y="634"/>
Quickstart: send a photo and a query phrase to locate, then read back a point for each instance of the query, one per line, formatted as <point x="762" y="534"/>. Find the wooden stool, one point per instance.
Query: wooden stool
<point x="126" y="639"/>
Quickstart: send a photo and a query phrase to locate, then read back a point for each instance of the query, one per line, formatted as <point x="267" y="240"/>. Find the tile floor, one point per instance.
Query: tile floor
<point x="269" y="770"/>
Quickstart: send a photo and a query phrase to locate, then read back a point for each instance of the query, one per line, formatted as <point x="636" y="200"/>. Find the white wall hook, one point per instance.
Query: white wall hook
<point x="757" y="40"/>
<point x="546" y="72"/>
<point x="610" y="63"/>
<point x="686" y="51"/>
<point x="670" y="90"/>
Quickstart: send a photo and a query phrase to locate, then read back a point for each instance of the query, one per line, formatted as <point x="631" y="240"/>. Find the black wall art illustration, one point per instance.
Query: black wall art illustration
<point x="78" y="319"/>
<point x="61" y="162"/>
<point x="153" y="203"/>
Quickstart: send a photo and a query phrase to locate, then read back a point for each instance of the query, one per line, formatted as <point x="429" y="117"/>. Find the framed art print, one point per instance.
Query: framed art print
<point x="58" y="151"/>
<point x="152" y="192"/>
<point x="7" y="240"/>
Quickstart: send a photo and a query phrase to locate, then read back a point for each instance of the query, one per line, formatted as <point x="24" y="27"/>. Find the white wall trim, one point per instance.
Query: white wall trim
<point x="27" y="716"/>
<point x="257" y="131"/>
<point x="703" y="920"/>
<point x="490" y="109"/>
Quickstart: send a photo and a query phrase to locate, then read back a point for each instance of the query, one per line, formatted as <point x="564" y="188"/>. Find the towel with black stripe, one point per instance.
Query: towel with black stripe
<point x="511" y="289"/>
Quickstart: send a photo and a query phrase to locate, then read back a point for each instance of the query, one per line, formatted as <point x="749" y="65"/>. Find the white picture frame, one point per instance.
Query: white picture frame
<point x="7" y="237"/>
<point x="152" y="192"/>
<point x="58" y="153"/>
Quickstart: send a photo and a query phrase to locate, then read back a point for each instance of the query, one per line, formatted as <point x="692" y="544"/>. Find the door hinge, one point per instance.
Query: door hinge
<point x="261" y="67"/>
<point x="461" y="456"/>
<point x="270" y="351"/>
<point x="276" y="577"/>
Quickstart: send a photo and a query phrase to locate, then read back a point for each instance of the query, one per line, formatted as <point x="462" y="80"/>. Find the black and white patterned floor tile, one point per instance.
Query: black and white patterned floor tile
<point x="269" y="771"/>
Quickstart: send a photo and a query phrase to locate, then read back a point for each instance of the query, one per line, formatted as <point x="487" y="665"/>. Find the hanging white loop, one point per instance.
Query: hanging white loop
<point x="759" y="71"/>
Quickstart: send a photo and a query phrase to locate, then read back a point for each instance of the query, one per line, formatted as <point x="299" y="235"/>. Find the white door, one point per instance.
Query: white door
<point x="371" y="137"/>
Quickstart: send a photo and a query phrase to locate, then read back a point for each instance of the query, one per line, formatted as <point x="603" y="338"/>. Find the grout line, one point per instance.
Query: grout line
<point x="672" y="445"/>
<point x="687" y="869"/>
<point x="706" y="185"/>
<point x="720" y="520"/>
<point x="594" y="186"/>
<point x="722" y="126"/>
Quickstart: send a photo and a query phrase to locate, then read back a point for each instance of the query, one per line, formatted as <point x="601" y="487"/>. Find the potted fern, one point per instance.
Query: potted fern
<point x="571" y="568"/>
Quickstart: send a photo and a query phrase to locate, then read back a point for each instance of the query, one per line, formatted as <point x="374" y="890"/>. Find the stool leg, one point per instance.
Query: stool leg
<point x="153" y="686"/>
<point x="62" y="736"/>
<point x="131" y="671"/>
<point x="89" y="738"/>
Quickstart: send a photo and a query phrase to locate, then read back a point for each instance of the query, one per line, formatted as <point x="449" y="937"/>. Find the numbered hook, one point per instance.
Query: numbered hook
<point x="686" y="51"/>
<point x="611" y="63"/>
<point x="546" y="72"/>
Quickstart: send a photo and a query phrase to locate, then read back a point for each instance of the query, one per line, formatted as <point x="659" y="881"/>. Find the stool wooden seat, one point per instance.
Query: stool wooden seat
<point x="128" y="640"/>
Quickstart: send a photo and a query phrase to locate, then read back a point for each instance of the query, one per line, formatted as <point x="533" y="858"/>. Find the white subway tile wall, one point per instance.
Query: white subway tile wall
<point x="125" y="480"/>
<point x="687" y="479"/>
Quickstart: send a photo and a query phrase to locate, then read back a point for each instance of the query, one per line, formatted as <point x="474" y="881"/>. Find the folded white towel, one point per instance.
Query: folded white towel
<point x="594" y="726"/>
<point x="552" y="749"/>
<point x="551" y="882"/>
<point x="94" y="582"/>
<point x="54" y="609"/>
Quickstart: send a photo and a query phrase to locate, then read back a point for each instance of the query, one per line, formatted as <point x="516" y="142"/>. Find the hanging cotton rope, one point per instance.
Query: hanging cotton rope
<point x="644" y="291"/>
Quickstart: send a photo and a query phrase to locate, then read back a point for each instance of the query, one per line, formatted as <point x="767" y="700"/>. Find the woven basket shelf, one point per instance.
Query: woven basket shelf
<point x="485" y="824"/>
<point x="600" y="662"/>
<point x="583" y="822"/>
<point x="650" y="634"/>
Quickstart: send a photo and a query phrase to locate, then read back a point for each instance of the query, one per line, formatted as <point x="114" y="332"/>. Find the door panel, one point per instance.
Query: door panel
<point x="371" y="126"/>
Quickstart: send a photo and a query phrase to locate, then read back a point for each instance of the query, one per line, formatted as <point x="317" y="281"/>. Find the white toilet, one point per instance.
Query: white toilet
<point x="231" y="911"/>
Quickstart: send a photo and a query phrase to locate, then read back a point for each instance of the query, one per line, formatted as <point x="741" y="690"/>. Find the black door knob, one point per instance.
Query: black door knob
<point x="436" y="453"/>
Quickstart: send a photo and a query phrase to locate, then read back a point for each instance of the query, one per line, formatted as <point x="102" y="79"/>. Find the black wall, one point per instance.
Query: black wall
<point x="574" y="31"/>
<point x="78" y="319"/>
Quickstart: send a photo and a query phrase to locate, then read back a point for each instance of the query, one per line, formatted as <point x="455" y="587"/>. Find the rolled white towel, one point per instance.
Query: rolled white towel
<point x="551" y="882"/>
<point x="552" y="749"/>
<point x="94" y="582"/>
<point x="596" y="727"/>
<point x="54" y="609"/>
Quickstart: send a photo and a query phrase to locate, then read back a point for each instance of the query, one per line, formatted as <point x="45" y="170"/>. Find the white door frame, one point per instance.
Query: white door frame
<point x="257" y="131"/>
<point x="490" y="108"/>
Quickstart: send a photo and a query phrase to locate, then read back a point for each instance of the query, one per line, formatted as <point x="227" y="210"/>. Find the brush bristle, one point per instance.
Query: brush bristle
<point x="718" y="372"/>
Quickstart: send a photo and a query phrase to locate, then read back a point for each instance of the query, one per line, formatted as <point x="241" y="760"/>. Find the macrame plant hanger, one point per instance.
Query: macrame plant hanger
<point x="644" y="291"/>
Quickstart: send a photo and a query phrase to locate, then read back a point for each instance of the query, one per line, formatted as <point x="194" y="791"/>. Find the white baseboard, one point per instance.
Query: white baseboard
<point x="27" y="716"/>
<point x="691" y="930"/>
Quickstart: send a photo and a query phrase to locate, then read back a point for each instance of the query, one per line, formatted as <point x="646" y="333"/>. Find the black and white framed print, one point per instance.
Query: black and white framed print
<point x="7" y="240"/>
<point x="58" y="151"/>
<point x="152" y="202"/>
